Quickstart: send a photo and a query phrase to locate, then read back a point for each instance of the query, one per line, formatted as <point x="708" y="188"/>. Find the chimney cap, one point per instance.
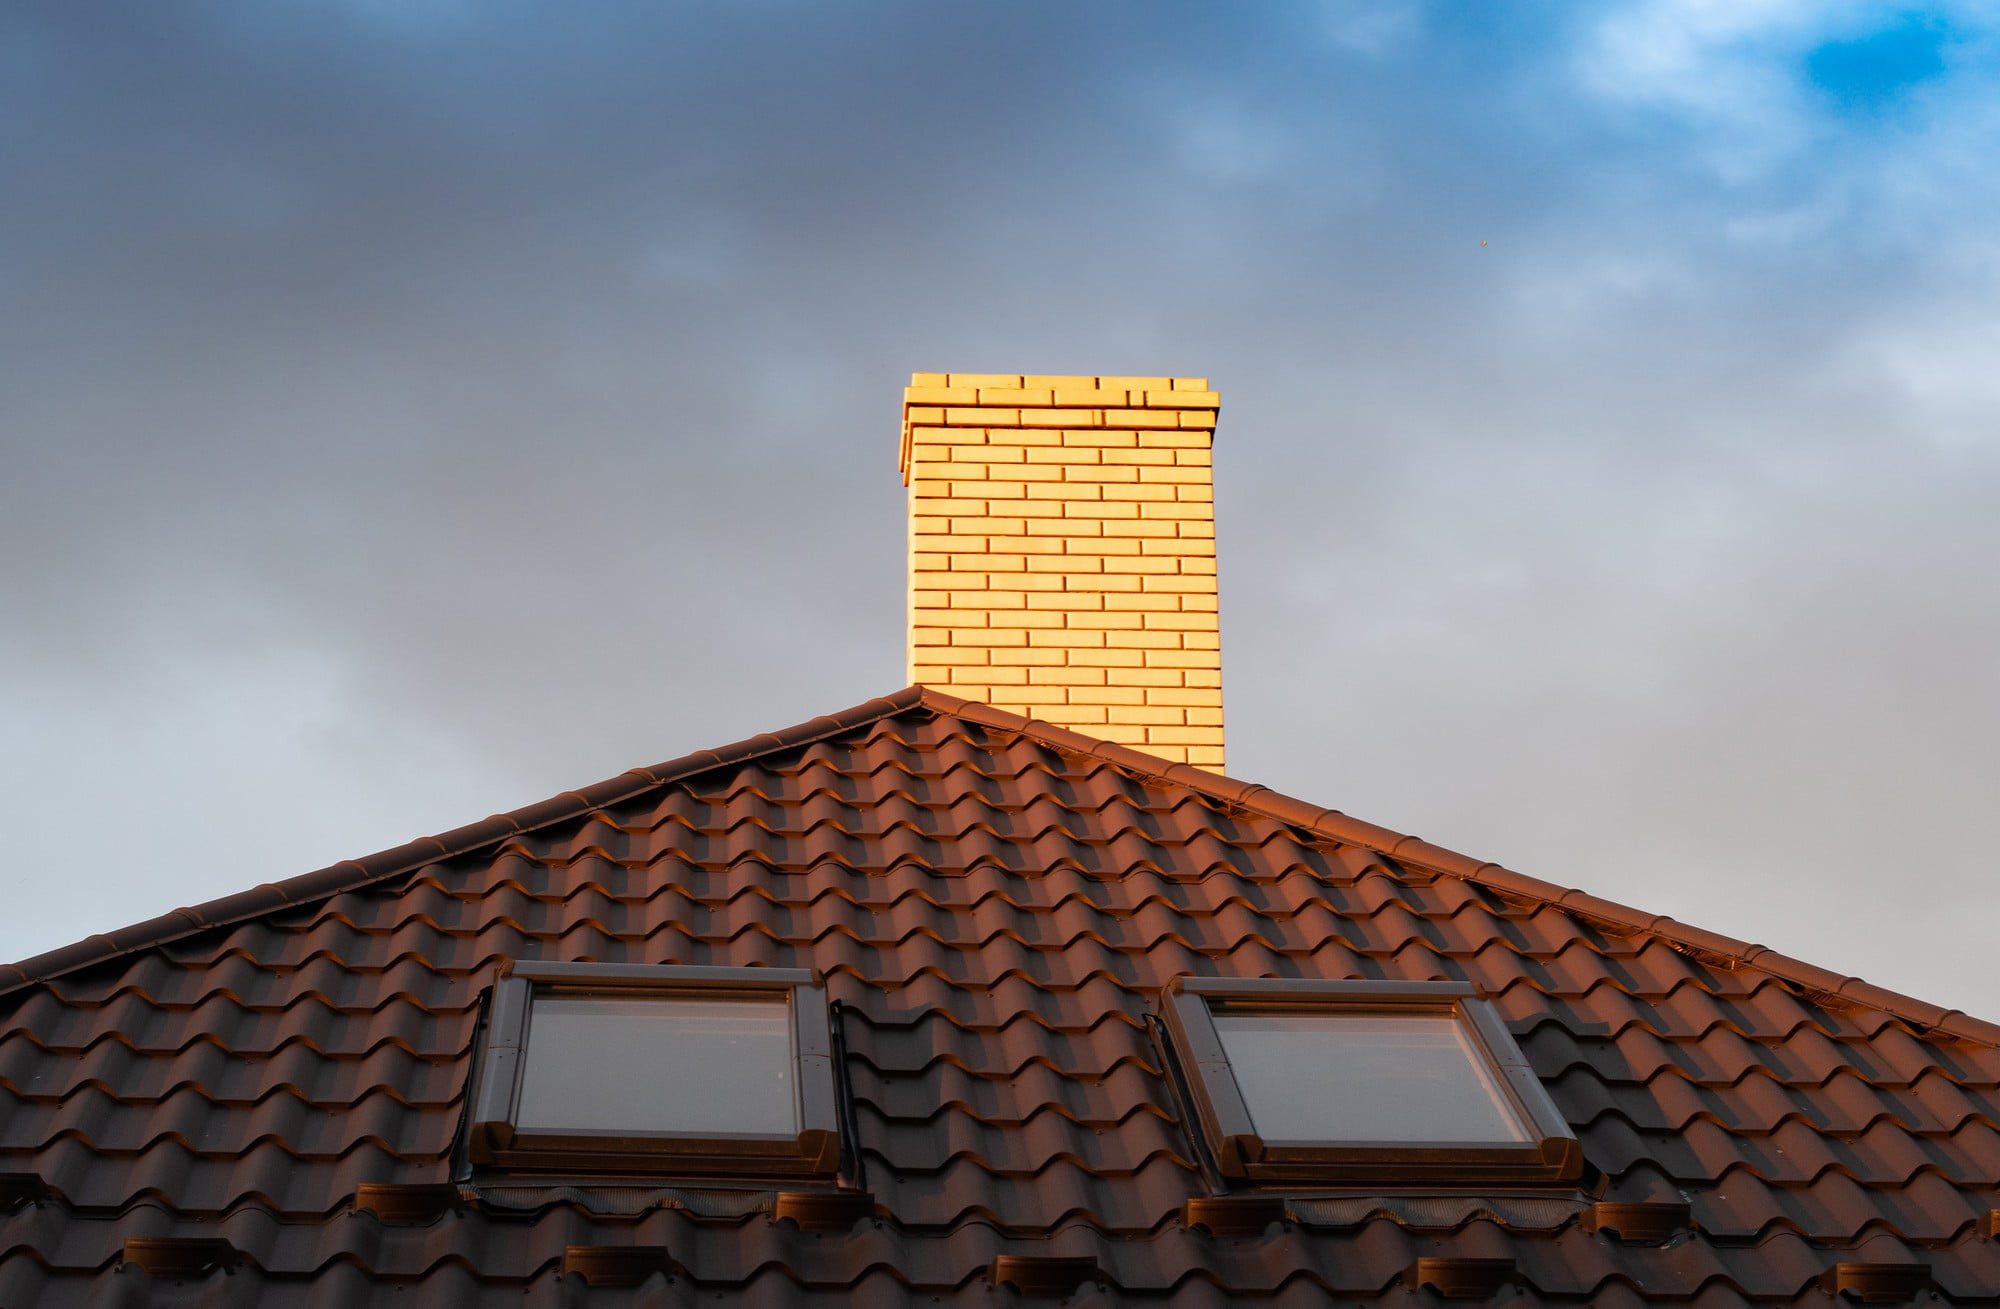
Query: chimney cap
<point x="1054" y="401"/>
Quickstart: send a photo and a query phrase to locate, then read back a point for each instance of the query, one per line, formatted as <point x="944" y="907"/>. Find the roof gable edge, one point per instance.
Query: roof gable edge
<point x="352" y="874"/>
<point x="1420" y="853"/>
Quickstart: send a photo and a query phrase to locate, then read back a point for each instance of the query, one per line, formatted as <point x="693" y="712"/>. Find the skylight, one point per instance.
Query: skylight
<point x="1362" y="1082"/>
<point x="705" y="1064"/>
<point x="696" y="1071"/>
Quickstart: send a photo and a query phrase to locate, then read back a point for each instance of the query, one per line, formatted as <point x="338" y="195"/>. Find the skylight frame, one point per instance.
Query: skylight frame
<point x="1549" y="1154"/>
<point x="496" y="1140"/>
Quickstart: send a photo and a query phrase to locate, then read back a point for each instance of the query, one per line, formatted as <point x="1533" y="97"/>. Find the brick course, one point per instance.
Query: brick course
<point x="1062" y="552"/>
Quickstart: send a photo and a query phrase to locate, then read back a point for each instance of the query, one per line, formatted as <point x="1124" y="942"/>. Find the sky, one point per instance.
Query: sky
<point x="410" y="409"/>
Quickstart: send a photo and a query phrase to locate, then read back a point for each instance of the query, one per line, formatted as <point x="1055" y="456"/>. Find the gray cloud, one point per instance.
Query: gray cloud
<point x="411" y="411"/>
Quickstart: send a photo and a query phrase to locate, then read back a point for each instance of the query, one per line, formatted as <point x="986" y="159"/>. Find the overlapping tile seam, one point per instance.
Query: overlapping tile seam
<point x="1255" y="798"/>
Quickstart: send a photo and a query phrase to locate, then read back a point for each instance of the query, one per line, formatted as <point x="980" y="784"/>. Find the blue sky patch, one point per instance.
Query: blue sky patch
<point x="1872" y="73"/>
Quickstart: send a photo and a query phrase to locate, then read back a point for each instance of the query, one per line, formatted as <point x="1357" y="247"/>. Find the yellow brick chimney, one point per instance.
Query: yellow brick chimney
<point x="1062" y="552"/>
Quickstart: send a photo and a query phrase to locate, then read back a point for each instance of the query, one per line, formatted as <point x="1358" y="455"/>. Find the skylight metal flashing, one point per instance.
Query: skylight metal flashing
<point x="1339" y="1083"/>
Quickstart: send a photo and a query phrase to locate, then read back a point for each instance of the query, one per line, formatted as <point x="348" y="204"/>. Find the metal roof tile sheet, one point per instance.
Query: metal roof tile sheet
<point x="995" y="905"/>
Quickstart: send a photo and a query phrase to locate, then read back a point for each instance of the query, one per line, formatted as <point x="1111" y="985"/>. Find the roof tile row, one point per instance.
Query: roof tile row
<point x="994" y="905"/>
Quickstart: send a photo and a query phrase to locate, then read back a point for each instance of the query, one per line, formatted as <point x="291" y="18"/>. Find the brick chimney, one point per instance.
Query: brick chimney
<point x="1062" y="552"/>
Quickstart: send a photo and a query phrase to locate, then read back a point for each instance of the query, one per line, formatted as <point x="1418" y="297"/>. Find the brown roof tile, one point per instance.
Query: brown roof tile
<point x="994" y="904"/>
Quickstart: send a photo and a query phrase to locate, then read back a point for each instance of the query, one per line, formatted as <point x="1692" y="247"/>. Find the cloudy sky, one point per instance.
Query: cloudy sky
<point x="409" y="410"/>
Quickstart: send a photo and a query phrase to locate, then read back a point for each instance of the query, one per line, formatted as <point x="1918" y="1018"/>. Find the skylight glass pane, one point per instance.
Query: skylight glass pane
<point x="1364" y="1077"/>
<point x="681" y="1064"/>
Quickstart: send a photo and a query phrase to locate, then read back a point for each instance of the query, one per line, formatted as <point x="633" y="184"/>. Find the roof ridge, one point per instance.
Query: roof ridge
<point x="1416" y="851"/>
<point x="352" y="874"/>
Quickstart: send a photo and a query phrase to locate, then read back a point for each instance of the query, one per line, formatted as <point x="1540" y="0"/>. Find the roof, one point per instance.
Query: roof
<point x="995" y="904"/>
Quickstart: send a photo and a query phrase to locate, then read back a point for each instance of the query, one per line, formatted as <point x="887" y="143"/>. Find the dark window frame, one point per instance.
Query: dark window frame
<point x="1551" y="1154"/>
<point x="495" y="1140"/>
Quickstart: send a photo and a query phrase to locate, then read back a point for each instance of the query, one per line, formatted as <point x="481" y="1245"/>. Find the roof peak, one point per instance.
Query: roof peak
<point x="1402" y="848"/>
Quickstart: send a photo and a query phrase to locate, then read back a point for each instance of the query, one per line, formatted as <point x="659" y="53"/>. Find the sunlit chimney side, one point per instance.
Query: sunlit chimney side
<point x="1062" y="552"/>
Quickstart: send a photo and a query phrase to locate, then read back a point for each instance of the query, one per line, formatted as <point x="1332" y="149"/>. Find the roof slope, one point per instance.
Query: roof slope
<point x="995" y="905"/>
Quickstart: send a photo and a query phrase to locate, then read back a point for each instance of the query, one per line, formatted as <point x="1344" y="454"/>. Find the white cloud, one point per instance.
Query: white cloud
<point x="1730" y="70"/>
<point x="1718" y="64"/>
<point x="1941" y="363"/>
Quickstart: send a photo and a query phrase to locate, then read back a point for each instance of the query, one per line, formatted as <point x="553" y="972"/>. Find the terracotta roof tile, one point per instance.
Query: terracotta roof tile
<point x="994" y="905"/>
